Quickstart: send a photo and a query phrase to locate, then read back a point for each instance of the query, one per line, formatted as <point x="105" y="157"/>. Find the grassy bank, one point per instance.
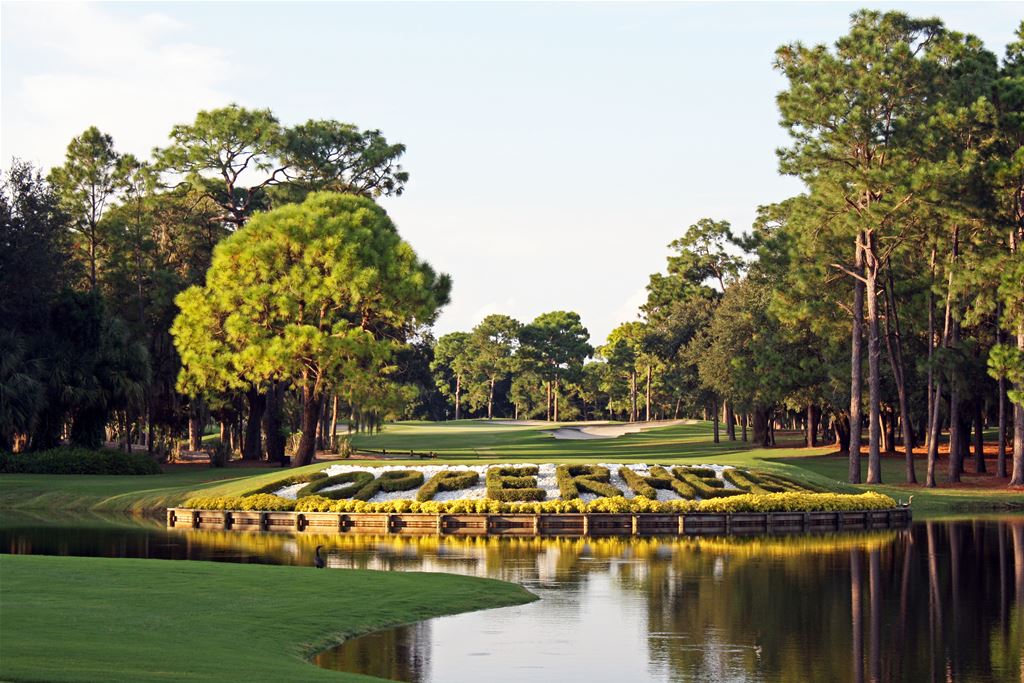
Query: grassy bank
<point x="86" y="619"/>
<point x="480" y="442"/>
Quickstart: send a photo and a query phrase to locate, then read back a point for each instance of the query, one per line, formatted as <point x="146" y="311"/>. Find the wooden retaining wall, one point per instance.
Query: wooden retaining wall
<point x="544" y="524"/>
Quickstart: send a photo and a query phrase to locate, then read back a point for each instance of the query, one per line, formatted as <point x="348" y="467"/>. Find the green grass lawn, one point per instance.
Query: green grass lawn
<point x="480" y="441"/>
<point x="88" y="619"/>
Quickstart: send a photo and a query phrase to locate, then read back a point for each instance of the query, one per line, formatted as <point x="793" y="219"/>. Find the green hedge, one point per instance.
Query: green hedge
<point x="705" y="487"/>
<point x="773" y="502"/>
<point x="78" y="461"/>
<point x="661" y="478"/>
<point x="588" y="478"/>
<point x="447" y="480"/>
<point x="507" y="484"/>
<point x="638" y="484"/>
<point x="357" y="480"/>
<point x="287" y="481"/>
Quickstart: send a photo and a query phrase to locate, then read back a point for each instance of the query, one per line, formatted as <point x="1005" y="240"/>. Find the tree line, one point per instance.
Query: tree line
<point x="886" y="297"/>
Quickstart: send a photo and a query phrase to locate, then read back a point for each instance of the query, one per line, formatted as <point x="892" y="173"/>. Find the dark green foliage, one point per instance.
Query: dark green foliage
<point x="705" y="487"/>
<point x="358" y="481"/>
<point x="660" y="478"/>
<point x="449" y="480"/>
<point x="400" y="480"/>
<point x="513" y="483"/>
<point x="78" y="461"/>
<point x="288" y="481"/>
<point x="638" y="484"/>
<point x="572" y="479"/>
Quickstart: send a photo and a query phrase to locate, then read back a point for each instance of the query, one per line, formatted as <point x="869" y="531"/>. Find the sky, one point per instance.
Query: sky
<point x="555" y="149"/>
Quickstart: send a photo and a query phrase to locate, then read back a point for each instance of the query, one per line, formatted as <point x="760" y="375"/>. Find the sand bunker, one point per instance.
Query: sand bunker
<point x="611" y="431"/>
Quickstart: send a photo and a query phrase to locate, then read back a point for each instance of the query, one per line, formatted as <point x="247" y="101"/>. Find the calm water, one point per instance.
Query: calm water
<point x="941" y="601"/>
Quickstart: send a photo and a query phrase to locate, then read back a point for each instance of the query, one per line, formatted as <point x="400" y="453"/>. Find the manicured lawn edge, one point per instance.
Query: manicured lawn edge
<point x="80" y="618"/>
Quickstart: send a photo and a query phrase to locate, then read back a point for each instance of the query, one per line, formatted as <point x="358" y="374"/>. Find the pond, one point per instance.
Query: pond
<point x="939" y="601"/>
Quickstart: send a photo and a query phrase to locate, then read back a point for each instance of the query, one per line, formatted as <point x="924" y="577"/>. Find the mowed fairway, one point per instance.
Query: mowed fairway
<point x="92" y="619"/>
<point x="484" y="440"/>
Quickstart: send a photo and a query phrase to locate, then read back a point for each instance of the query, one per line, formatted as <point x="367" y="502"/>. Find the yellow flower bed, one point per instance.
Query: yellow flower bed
<point x="773" y="502"/>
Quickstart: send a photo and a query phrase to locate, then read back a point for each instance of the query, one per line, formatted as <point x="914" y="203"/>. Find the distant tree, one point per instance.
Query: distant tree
<point x="554" y="346"/>
<point x="87" y="183"/>
<point x="491" y="348"/>
<point x="316" y="294"/>
<point x="451" y="366"/>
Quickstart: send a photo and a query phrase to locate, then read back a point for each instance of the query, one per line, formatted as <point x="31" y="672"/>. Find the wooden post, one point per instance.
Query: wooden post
<point x="440" y="525"/>
<point x="299" y="518"/>
<point x="682" y="523"/>
<point x="768" y="522"/>
<point x="170" y="517"/>
<point x="195" y="519"/>
<point x="536" y="525"/>
<point x="586" y="524"/>
<point x="636" y="524"/>
<point x="728" y="523"/>
<point x="264" y="521"/>
<point x="227" y="520"/>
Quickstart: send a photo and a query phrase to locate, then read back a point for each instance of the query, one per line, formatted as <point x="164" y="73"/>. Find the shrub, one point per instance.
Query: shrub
<point x="447" y="480"/>
<point x="287" y="481"/>
<point x="78" y="461"/>
<point x="590" y="478"/>
<point x="705" y="487"/>
<point x="638" y="484"/>
<point x="660" y="478"/>
<point x="513" y="483"/>
<point x="357" y="480"/>
<point x="260" y="501"/>
<point x="773" y="502"/>
<point x="799" y="502"/>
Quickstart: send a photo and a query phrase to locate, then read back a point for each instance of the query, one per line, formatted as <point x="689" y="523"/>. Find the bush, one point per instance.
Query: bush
<point x="357" y="480"/>
<point x="705" y="487"/>
<point x="287" y="481"/>
<point x="660" y="478"/>
<point x="590" y="478"/>
<point x="638" y="484"/>
<point x="447" y="480"/>
<point x="78" y="461"/>
<point x="508" y="484"/>
<point x="260" y="501"/>
<point x="773" y="502"/>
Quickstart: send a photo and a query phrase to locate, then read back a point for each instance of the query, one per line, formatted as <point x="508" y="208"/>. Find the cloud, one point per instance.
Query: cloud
<point x="70" y="66"/>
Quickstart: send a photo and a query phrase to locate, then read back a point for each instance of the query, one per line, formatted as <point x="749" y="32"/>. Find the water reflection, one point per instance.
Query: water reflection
<point x="940" y="601"/>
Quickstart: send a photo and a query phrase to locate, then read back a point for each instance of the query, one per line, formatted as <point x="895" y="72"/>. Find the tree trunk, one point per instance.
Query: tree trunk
<point x="490" y="399"/>
<point x="899" y="372"/>
<point x="874" y="376"/>
<point x="979" y="437"/>
<point x="632" y="397"/>
<point x="252" y="448"/>
<point x="743" y="426"/>
<point x="730" y="421"/>
<point x="458" y="394"/>
<point x="934" y="427"/>
<point x="955" y="427"/>
<point x="1017" y="478"/>
<point x="547" y="386"/>
<point x="272" y="422"/>
<point x="841" y="428"/>
<point x="813" y="415"/>
<point x="1001" y="441"/>
<point x="931" y="347"/>
<point x="334" y="420"/>
<point x="761" y="427"/>
<point x="648" y="417"/>
<point x="856" y="370"/>
<point x="195" y="426"/>
<point x="555" y="400"/>
<point x="714" y="409"/>
<point x="310" y="416"/>
<point x="675" y="414"/>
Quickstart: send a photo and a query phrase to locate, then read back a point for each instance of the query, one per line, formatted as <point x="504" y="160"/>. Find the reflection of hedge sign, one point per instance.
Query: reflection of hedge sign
<point x="362" y="485"/>
<point x="447" y="480"/>
<point x="513" y="483"/>
<point x="575" y="479"/>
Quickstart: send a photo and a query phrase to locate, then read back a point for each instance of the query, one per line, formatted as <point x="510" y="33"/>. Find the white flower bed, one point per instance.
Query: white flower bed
<point x="545" y="480"/>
